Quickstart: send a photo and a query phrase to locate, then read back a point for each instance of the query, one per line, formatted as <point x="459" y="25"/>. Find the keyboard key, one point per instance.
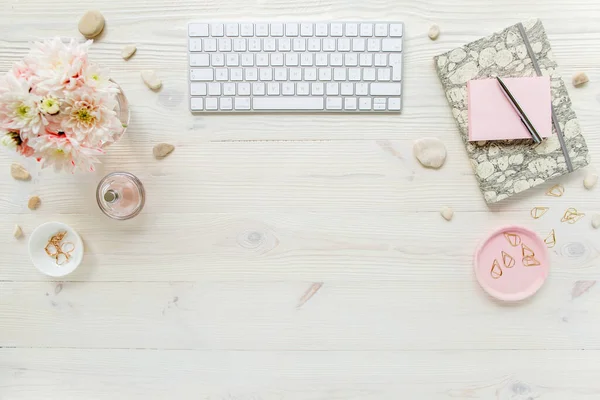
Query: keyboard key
<point x="239" y="44"/>
<point x="281" y="74"/>
<point x="354" y="74"/>
<point x="347" y="89"/>
<point x="295" y="74"/>
<point x="306" y="29"/>
<point x="291" y="29"/>
<point x="336" y="60"/>
<point x="366" y="29"/>
<point x="394" y="104"/>
<point x="209" y="44"/>
<point x="277" y="29"/>
<point x="269" y="44"/>
<point x="262" y="30"/>
<point x="369" y="74"/>
<point x="288" y="88"/>
<point x="201" y="74"/>
<point x="288" y="103"/>
<point x="217" y="30"/>
<point x="332" y="88"/>
<point x="229" y="89"/>
<point x="337" y="29"/>
<point x="395" y="30"/>
<point x="233" y="60"/>
<point x="198" y="89"/>
<point x="314" y="44"/>
<point x="265" y="74"/>
<point x="291" y="59"/>
<point x="197" y="104"/>
<point x="343" y="44"/>
<point x="302" y="89"/>
<point x="384" y="74"/>
<point x="246" y="30"/>
<point x="358" y="44"/>
<point x="251" y="74"/>
<point x="210" y="103"/>
<point x="254" y="44"/>
<point x="217" y="60"/>
<point x="195" y="44"/>
<point x="351" y="29"/>
<point x="199" y="60"/>
<point x="350" y="103"/>
<point x="379" y="104"/>
<point x="299" y="44"/>
<point x="351" y="59"/>
<point x="214" y="89"/>
<point x="381" y="30"/>
<point x="380" y="60"/>
<point x="339" y="74"/>
<point x="321" y="60"/>
<point x="262" y="59"/>
<point x="310" y="74"/>
<point x="198" y="29"/>
<point x="258" y="89"/>
<point x="391" y="45"/>
<point x="277" y="59"/>
<point x="321" y="29"/>
<point x="317" y="89"/>
<point x="247" y="60"/>
<point x="334" y="103"/>
<point x="221" y="74"/>
<point x="396" y="64"/>
<point x="232" y="30"/>
<point x="243" y="89"/>
<point x="235" y="74"/>
<point x="324" y="74"/>
<point x="273" y="89"/>
<point x="386" y="89"/>
<point x="362" y="89"/>
<point x="226" y="103"/>
<point x="364" y="103"/>
<point x="365" y="60"/>
<point x="328" y="44"/>
<point x="307" y="59"/>
<point x="284" y="44"/>
<point x="242" y="103"/>
<point x="374" y="44"/>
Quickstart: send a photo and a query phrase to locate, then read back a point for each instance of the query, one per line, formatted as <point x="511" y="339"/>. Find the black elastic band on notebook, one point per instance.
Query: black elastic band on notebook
<point x="536" y="66"/>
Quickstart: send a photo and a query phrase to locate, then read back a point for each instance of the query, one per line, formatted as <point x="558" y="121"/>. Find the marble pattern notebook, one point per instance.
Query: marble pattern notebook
<point x="504" y="168"/>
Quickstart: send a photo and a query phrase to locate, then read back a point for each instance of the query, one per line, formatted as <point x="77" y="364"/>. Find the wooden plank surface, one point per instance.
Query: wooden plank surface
<point x="294" y="256"/>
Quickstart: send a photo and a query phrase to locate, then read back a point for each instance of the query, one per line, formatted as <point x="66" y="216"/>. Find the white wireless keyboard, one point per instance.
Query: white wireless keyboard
<point x="306" y="67"/>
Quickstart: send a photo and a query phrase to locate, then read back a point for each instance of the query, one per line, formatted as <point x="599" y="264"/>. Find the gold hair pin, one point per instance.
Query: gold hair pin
<point x="513" y="239"/>
<point x="551" y="239"/>
<point x="508" y="260"/>
<point x="571" y="216"/>
<point x="556" y="191"/>
<point x="496" y="271"/>
<point x="538" y="212"/>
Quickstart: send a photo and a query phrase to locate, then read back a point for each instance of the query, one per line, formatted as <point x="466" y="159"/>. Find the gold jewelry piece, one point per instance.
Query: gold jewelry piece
<point x="60" y="252"/>
<point x="551" y="239"/>
<point x="571" y="216"/>
<point x="538" y="212"/>
<point x="556" y="191"/>
<point x="530" y="261"/>
<point x="526" y="251"/>
<point x="508" y="260"/>
<point x="513" y="239"/>
<point x="496" y="271"/>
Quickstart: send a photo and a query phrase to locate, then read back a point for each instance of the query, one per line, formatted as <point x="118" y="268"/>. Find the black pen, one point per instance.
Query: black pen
<point x="536" y="137"/>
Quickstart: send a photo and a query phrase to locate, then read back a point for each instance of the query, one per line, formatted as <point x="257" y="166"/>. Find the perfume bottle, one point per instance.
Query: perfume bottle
<point x="120" y="195"/>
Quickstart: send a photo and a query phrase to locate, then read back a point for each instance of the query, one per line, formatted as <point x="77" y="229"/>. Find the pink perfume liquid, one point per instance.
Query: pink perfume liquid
<point x="120" y="195"/>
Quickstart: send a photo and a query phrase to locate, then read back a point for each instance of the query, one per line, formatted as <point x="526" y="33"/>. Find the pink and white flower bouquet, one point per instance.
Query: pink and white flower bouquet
<point x="58" y="107"/>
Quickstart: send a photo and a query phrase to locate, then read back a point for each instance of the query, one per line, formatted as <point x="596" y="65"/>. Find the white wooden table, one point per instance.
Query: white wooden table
<point x="295" y="257"/>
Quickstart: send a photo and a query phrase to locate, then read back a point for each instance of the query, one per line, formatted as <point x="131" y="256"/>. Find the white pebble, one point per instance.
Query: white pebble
<point x="17" y="232"/>
<point x="596" y="221"/>
<point x="580" y="78"/>
<point x="128" y="51"/>
<point x="151" y="79"/>
<point x="91" y="24"/>
<point x="590" y="181"/>
<point x="434" y="32"/>
<point x="430" y="152"/>
<point x="447" y="213"/>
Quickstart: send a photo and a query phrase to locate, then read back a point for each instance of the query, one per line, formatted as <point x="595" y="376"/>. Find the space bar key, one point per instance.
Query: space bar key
<point x="287" y="103"/>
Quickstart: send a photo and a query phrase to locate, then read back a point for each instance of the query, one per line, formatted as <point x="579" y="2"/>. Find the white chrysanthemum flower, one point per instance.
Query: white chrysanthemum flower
<point x="11" y="140"/>
<point x="19" y="108"/>
<point x="50" y="105"/>
<point x="63" y="153"/>
<point x="99" y="79"/>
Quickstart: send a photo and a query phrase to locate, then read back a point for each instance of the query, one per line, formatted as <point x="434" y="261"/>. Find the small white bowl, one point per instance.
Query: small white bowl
<point x="42" y="261"/>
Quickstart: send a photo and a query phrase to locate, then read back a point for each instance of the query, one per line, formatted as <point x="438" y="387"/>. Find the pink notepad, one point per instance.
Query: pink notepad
<point x="492" y="117"/>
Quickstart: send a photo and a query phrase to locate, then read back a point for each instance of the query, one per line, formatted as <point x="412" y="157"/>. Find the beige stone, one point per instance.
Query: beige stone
<point x="128" y="51"/>
<point x="91" y="24"/>
<point x="590" y="181"/>
<point x="447" y="213"/>
<point x="17" y="232"/>
<point x="19" y="172"/>
<point x="151" y="79"/>
<point x="162" y="150"/>
<point x="580" y="78"/>
<point x="596" y="221"/>
<point x="434" y="32"/>
<point x="34" y="203"/>
<point x="430" y="152"/>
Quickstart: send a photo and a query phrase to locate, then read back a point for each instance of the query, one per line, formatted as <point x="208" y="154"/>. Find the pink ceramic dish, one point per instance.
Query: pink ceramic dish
<point x="512" y="263"/>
